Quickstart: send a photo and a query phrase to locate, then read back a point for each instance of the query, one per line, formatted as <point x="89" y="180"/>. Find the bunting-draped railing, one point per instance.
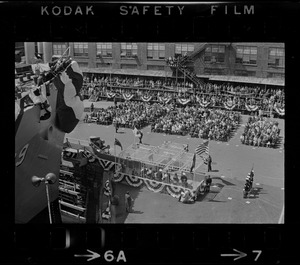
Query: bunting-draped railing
<point x="183" y="101"/>
<point x="228" y="99"/>
<point x="152" y="185"/>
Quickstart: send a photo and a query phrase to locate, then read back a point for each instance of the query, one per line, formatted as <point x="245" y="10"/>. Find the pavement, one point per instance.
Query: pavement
<point x="232" y="161"/>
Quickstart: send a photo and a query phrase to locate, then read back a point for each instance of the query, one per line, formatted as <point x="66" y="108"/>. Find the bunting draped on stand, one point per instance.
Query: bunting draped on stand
<point x="280" y="111"/>
<point x="164" y="99"/>
<point x="110" y="94"/>
<point x="152" y="185"/>
<point x="133" y="181"/>
<point x="107" y="165"/>
<point x="183" y="101"/>
<point x="203" y="103"/>
<point x="127" y="96"/>
<point x="251" y="107"/>
<point x="229" y="105"/>
<point x="174" y="191"/>
<point x="146" y="98"/>
<point x="118" y="177"/>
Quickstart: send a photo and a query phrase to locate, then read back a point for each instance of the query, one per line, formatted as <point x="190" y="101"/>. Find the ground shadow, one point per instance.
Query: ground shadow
<point x="121" y="132"/>
<point x="121" y="189"/>
<point x="215" y="201"/>
<point x="137" y="212"/>
<point x="214" y="170"/>
<point x="228" y="183"/>
<point x="255" y="192"/>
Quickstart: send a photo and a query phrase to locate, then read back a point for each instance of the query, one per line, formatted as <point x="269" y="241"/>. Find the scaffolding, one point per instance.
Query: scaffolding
<point x="169" y="156"/>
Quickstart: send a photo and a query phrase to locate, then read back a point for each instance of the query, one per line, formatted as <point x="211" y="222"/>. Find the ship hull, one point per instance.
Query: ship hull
<point x="38" y="147"/>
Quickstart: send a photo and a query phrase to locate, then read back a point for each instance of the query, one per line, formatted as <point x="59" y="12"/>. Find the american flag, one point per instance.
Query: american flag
<point x="202" y="148"/>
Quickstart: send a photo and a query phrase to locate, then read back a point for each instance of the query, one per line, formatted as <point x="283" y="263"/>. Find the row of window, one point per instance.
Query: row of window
<point x="128" y="50"/>
<point x="213" y="53"/>
<point x="207" y="71"/>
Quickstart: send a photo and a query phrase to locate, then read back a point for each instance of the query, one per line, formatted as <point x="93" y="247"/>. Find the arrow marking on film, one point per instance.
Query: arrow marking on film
<point x="238" y="255"/>
<point x="91" y="256"/>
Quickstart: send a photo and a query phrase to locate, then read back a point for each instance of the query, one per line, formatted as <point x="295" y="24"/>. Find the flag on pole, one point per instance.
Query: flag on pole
<point x="194" y="163"/>
<point x="117" y="142"/>
<point x="202" y="148"/>
<point x="69" y="107"/>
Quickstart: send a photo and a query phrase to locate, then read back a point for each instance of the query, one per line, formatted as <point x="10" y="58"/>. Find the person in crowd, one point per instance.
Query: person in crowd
<point x="183" y="179"/>
<point x="209" y="162"/>
<point x="128" y="202"/>
<point x="175" y="178"/>
<point x="150" y="173"/>
<point x="159" y="175"/>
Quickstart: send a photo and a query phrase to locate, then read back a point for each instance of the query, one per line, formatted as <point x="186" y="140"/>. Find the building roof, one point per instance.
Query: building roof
<point x="224" y="78"/>
<point x="127" y="72"/>
<point x="246" y="79"/>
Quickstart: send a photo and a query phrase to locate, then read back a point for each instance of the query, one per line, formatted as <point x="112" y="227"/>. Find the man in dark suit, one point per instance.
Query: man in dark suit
<point x="140" y="136"/>
<point x="207" y="183"/>
<point x="128" y="202"/>
<point x="209" y="161"/>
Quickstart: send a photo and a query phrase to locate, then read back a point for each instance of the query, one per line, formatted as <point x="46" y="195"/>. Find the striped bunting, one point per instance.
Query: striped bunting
<point x="202" y="148"/>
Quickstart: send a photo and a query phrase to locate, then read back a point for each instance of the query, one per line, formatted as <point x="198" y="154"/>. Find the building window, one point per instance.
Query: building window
<point x="155" y="51"/>
<point x="103" y="65"/>
<point x="128" y="50"/>
<point x="83" y="65"/>
<point x="128" y="66"/>
<point x="104" y="49"/>
<point x="214" y="71"/>
<point x="276" y="57"/>
<point x="59" y="48"/>
<point x="155" y="67"/>
<point x="183" y="48"/>
<point x="215" y="53"/>
<point x="81" y="49"/>
<point x="244" y="73"/>
<point x="246" y="55"/>
<point x="275" y="75"/>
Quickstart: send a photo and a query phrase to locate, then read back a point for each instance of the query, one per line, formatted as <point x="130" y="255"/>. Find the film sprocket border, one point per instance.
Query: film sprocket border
<point x="126" y="21"/>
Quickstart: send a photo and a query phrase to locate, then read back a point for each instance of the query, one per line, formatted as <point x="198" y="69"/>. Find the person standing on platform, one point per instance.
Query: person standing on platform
<point x="92" y="107"/>
<point x="140" y="136"/>
<point x="128" y="202"/>
<point x="115" y="123"/>
<point x="209" y="161"/>
<point x="159" y="175"/>
<point x="208" y="181"/>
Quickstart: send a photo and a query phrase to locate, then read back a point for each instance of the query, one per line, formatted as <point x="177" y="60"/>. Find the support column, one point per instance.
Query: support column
<point x="47" y="51"/>
<point x="40" y="47"/>
<point x="29" y="52"/>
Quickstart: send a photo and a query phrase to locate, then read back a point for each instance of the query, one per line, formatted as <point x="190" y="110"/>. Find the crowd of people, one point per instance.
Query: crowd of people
<point x="216" y="94"/>
<point x="197" y="122"/>
<point x="211" y="124"/>
<point x="105" y="82"/>
<point x="260" y="131"/>
<point x="129" y="114"/>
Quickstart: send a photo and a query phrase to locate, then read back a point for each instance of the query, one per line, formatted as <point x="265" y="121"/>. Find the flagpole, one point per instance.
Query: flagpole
<point x="115" y="148"/>
<point x="194" y="175"/>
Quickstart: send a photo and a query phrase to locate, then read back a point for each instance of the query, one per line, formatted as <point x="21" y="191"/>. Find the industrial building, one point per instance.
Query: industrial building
<point x="251" y="59"/>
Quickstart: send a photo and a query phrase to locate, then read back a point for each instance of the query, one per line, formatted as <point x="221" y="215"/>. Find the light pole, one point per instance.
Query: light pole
<point x="50" y="178"/>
